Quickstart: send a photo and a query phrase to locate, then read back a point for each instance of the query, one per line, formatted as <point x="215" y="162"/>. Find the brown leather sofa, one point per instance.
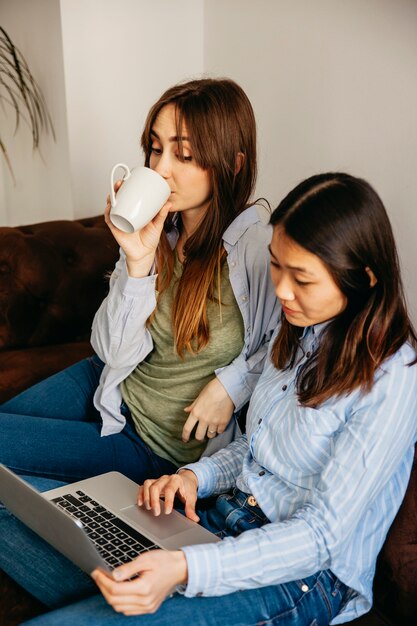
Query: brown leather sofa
<point x="53" y="277"/>
<point x="52" y="280"/>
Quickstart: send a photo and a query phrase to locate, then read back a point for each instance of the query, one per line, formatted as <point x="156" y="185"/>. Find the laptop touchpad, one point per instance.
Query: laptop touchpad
<point x="163" y="526"/>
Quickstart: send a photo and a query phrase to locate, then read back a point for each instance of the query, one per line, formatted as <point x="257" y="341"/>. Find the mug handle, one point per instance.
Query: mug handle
<point x="125" y="177"/>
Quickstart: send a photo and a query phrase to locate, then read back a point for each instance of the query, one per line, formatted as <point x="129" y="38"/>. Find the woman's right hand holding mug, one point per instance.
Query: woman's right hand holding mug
<point x="137" y="207"/>
<point x="139" y="246"/>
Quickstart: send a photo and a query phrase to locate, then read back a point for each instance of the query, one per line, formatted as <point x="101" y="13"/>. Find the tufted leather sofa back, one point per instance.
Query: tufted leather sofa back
<point x="53" y="277"/>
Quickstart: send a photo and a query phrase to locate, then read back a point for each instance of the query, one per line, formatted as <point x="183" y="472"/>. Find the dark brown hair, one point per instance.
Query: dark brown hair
<point x="342" y="220"/>
<point x="220" y="125"/>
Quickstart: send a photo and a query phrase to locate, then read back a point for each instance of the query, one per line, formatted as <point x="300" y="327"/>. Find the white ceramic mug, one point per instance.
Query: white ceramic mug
<point x="143" y="193"/>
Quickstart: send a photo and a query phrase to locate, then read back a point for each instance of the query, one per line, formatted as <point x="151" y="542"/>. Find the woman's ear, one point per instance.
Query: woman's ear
<point x="372" y="278"/>
<point x="240" y="157"/>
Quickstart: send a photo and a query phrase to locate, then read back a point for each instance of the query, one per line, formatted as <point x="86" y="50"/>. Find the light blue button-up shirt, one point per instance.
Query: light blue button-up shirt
<point x="330" y="479"/>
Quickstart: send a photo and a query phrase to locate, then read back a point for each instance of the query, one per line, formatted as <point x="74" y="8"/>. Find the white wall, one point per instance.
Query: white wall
<point x="334" y="86"/>
<point x="119" y="56"/>
<point x="42" y="189"/>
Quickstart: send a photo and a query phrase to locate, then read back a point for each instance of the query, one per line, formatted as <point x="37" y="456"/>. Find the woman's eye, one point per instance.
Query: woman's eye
<point x="184" y="157"/>
<point x="302" y="283"/>
<point x="156" y="150"/>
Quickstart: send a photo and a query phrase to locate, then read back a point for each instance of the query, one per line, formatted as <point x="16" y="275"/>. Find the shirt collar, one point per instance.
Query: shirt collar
<point x="240" y="224"/>
<point x="314" y="330"/>
<point x="233" y="232"/>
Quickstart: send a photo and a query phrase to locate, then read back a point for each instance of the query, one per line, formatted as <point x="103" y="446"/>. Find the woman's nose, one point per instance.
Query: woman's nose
<point x="283" y="290"/>
<point x="163" y="166"/>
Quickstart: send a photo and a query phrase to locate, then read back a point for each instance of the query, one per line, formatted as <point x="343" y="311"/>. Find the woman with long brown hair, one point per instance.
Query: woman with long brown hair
<point x="182" y="336"/>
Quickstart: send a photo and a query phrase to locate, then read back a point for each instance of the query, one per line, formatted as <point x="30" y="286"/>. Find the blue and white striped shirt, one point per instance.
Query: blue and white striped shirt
<point x="330" y="480"/>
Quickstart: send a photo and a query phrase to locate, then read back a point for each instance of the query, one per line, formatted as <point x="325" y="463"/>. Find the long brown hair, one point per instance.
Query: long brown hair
<point x="220" y="125"/>
<point x="342" y="220"/>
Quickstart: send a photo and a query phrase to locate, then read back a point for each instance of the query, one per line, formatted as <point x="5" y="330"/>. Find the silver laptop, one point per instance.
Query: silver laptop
<point x="96" y="522"/>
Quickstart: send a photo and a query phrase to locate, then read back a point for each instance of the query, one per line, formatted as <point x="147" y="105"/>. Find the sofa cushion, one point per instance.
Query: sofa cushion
<point x="395" y="585"/>
<point x="52" y="280"/>
<point x="20" y="369"/>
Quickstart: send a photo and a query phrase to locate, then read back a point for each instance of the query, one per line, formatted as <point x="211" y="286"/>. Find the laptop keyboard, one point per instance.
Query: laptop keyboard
<point x="116" y="541"/>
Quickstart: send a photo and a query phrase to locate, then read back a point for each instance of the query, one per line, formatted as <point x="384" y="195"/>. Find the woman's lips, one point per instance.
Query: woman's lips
<point x="289" y="311"/>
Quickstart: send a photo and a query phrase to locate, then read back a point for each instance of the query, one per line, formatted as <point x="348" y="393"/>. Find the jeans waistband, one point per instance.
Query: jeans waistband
<point x="247" y="501"/>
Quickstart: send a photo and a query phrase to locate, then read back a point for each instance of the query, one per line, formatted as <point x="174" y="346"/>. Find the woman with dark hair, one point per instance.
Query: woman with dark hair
<point x="182" y="336"/>
<point x="341" y="220"/>
<point x="309" y="492"/>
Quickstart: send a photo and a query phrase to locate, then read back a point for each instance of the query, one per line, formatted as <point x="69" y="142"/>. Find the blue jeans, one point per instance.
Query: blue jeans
<point x="53" y="430"/>
<point x="73" y="597"/>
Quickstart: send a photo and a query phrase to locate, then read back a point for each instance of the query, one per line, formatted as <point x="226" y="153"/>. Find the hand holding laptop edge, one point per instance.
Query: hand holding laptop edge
<point x="159" y="572"/>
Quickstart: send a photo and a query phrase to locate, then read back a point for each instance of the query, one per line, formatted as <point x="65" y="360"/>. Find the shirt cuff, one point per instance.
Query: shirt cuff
<point x="204" y="570"/>
<point x="205" y="470"/>
<point x="235" y="384"/>
<point x="136" y="287"/>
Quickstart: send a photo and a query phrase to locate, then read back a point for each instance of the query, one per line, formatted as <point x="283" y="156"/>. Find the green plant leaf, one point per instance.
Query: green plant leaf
<point x="20" y="92"/>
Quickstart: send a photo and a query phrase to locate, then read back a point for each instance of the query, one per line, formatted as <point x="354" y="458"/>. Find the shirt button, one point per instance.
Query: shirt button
<point x="284" y="387"/>
<point x="308" y="354"/>
<point x="262" y="473"/>
<point x="244" y="298"/>
<point x="233" y="263"/>
<point x="304" y="588"/>
<point x="260" y="420"/>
